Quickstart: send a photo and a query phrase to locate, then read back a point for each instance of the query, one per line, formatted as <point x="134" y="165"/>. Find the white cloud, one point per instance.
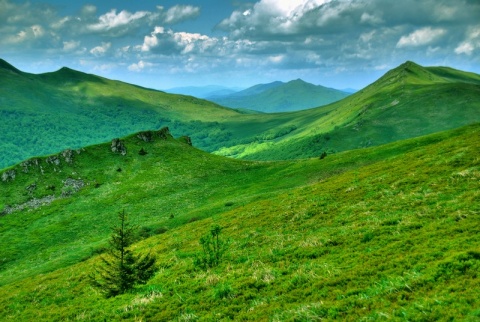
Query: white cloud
<point x="181" y="13"/>
<point x="471" y="43"/>
<point x="370" y="19"/>
<point x="112" y="20"/>
<point x="70" y="45"/>
<point x="139" y="66"/>
<point x="88" y="10"/>
<point x="101" y="50"/>
<point x="271" y="17"/>
<point x="169" y="42"/>
<point x="421" y="37"/>
<point x="465" y="48"/>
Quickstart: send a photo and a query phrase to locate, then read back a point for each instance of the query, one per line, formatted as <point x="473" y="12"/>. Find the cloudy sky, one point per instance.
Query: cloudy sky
<point x="239" y="43"/>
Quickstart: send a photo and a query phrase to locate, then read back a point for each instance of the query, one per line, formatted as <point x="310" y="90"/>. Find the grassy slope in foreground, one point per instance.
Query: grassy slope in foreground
<point x="383" y="233"/>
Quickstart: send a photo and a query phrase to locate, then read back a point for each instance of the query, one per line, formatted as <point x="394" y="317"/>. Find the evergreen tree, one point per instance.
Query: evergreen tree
<point x="120" y="270"/>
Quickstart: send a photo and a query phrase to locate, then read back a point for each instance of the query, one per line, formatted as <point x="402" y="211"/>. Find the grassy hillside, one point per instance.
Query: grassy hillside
<point x="388" y="232"/>
<point x="406" y="102"/>
<point x="47" y="113"/>
<point x="281" y="97"/>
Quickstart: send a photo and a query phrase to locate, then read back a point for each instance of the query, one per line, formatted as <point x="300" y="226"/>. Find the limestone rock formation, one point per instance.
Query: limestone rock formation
<point x="119" y="147"/>
<point x="8" y="175"/>
<point x="164" y="133"/>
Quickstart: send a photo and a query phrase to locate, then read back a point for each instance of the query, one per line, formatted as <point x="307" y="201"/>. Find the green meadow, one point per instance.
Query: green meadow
<point x="382" y="233"/>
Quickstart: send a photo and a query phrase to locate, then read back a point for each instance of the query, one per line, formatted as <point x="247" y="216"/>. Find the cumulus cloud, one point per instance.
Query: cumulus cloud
<point x="181" y="13"/>
<point x="70" y="45"/>
<point x="421" y="37"/>
<point x="139" y="66"/>
<point x="471" y="43"/>
<point x="101" y="50"/>
<point x="169" y="42"/>
<point x="113" y="20"/>
<point x="260" y="36"/>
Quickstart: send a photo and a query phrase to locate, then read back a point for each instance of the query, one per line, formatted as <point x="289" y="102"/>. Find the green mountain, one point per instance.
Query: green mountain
<point x="48" y="113"/>
<point x="406" y="102"/>
<point x="280" y="97"/>
<point x="388" y="232"/>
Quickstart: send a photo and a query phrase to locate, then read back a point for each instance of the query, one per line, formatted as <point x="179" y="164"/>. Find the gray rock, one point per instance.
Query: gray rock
<point x="119" y="147"/>
<point x="9" y="175"/>
<point x="68" y="156"/>
<point x="146" y="136"/>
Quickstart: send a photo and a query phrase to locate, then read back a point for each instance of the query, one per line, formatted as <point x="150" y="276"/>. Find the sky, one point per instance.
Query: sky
<point x="239" y="43"/>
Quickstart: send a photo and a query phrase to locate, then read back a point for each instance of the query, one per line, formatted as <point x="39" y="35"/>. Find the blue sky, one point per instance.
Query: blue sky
<point x="163" y="44"/>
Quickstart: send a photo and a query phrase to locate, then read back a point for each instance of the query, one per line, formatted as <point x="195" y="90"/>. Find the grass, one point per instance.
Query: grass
<point x="386" y="232"/>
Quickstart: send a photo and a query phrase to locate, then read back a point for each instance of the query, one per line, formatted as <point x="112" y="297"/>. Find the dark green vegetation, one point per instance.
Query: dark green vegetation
<point x="388" y="232"/>
<point x="43" y="114"/>
<point x="280" y="97"/>
<point x="121" y="271"/>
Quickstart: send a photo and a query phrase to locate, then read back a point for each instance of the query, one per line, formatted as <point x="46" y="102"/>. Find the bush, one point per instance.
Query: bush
<point x="213" y="249"/>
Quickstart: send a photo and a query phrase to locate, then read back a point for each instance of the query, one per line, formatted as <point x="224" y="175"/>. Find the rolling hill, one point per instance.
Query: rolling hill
<point x="406" y="102"/>
<point x="382" y="232"/>
<point x="47" y="113"/>
<point x="280" y="97"/>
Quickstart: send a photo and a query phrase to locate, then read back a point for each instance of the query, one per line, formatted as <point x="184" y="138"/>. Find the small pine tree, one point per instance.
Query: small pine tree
<point x="120" y="270"/>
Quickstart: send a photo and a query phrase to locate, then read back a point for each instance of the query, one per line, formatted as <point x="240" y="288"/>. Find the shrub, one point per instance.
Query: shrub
<point x="213" y="249"/>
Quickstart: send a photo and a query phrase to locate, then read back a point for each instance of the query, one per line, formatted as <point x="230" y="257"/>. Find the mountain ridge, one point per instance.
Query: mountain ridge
<point x="60" y="110"/>
<point x="281" y="97"/>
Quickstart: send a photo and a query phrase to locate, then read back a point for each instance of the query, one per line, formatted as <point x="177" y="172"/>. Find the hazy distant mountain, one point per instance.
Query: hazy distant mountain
<point x="349" y="90"/>
<point x="203" y="91"/>
<point x="281" y="97"/>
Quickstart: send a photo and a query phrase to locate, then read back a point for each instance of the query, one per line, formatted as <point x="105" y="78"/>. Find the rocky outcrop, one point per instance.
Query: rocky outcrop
<point x="119" y="147"/>
<point x="186" y="139"/>
<point x="9" y="175"/>
<point x="164" y="133"/>
<point x="68" y="156"/>
<point x="31" y="204"/>
<point x="71" y="186"/>
<point x="149" y="136"/>
<point x="146" y="136"/>
<point x="54" y="160"/>
<point x="26" y="165"/>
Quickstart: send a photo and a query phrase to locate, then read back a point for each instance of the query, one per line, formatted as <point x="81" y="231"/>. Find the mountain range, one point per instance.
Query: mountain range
<point x="46" y="113"/>
<point x="280" y="97"/>
<point x="203" y="91"/>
